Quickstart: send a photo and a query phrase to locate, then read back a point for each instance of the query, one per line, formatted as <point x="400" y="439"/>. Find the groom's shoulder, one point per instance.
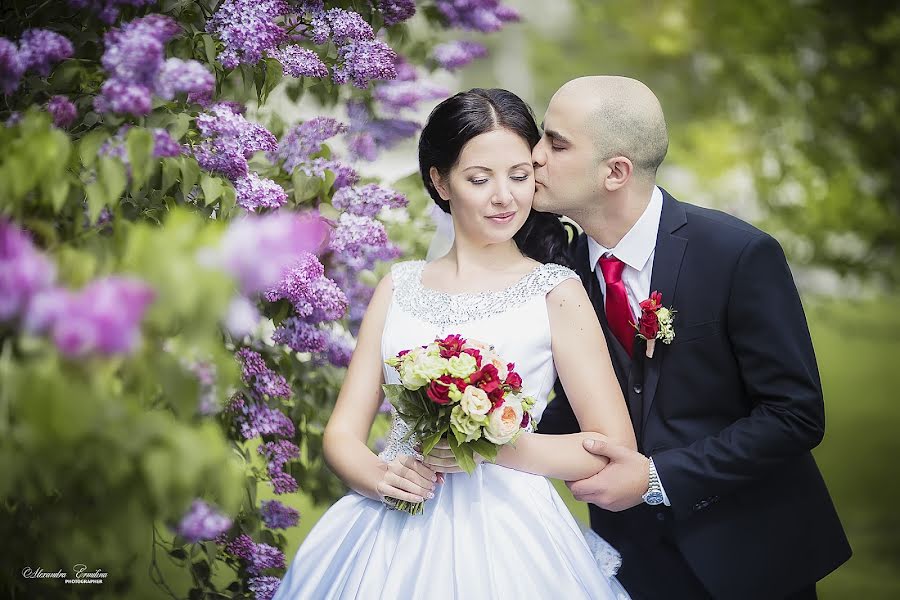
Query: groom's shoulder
<point x="717" y="228"/>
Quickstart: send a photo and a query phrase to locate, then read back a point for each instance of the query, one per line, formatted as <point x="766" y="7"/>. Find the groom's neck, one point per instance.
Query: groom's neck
<point x="613" y="214"/>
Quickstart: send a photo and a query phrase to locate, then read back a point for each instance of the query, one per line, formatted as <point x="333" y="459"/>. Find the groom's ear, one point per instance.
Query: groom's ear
<point x="439" y="184"/>
<point x="619" y="171"/>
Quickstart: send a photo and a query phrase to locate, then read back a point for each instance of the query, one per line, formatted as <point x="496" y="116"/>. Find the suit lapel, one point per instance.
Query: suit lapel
<point x="666" y="267"/>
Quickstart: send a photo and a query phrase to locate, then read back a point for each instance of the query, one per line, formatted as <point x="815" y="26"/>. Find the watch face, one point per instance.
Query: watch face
<point x="653" y="498"/>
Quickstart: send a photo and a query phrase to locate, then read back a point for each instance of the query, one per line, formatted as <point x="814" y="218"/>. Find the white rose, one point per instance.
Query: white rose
<point x="409" y="376"/>
<point x="428" y="366"/>
<point x="503" y="423"/>
<point x="475" y="402"/>
<point x="461" y="366"/>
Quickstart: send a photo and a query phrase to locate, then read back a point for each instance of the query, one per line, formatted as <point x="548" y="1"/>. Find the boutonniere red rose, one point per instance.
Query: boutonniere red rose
<point x="655" y="322"/>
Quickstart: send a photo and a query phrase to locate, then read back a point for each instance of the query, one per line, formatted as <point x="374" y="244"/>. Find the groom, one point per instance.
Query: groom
<point x="723" y="499"/>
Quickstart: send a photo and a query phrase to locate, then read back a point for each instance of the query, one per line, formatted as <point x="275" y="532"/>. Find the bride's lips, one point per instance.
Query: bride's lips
<point x="503" y="217"/>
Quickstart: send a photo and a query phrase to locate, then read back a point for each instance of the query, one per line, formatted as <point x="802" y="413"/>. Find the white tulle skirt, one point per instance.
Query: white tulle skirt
<point x="495" y="534"/>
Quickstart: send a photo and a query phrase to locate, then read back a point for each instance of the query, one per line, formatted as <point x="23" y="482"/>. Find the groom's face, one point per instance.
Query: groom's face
<point x="565" y="166"/>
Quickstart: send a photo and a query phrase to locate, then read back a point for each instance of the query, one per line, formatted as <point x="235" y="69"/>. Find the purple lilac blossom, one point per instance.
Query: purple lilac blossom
<point x="367" y="200"/>
<point x="278" y="516"/>
<point x="178" y="76"/>
<point x="259" y="250"/>
<point x="255" y="192"/>
<point x="395" y="96"/>
<point x="255" y="419"/>
<point x="367" y="135"/>
<point x="258" y="557"/>
<point x="123" y="97"/>
<point x="164" y="145"/>
<point x="263" y="588"/>
<point x="282" y="483"/>
<point x="202" y="522"/>
<point x="356" y="235"/>
<point x="279" y="453"/>
<point x="344" y="174"/>
<point x="302" y="141"/>
<point x="40" y="49"/>
<point x="300" y="336"/>
<point x="62" y="110"/>
<point x="347" y="26"/>
<point x="25" y="272"/>
<point x="396" y="11"/>
<point x="229" y="140"/>
<point x="314" y="297"/>
<point x="339" y="350"/>
<point x="261" y="379"/>
<point x="248" y="29"/>
<point x="476" y="15"/>
<point x="11" y="67"/>
<point x="108" y="10"/>
<point x="241" y="317"/>
<point x="297" y="61"/>
<point x="457" y="54"/>
<point x="364" y="61"/>
<point x="358" y="293"/>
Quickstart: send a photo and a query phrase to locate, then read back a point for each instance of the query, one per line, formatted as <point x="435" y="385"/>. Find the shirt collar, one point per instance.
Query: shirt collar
<point x="635" y="248"/>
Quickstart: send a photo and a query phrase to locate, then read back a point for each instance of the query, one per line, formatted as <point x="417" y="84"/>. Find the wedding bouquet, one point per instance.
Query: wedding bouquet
<point x="462" y="390"/>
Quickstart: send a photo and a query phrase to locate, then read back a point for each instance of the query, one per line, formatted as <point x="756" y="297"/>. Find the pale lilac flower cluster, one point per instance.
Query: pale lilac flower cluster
<point x="164" y="145"/>
<point x="302" y="141"/>
<point x="297" y="61"/>
<point x="134" y="57"/>
<point x="278" y="516"/>
<point x="62" y="110"/>
<point x="263" y="588"/>
<point x="367" y="200"/>
<point x="108" y="10"/>
<point x="341" y="25"/>
<point x="358" y="293"/>
<point x="256" y="419"/>
<point x="278" y="454"/>
<point x="205" y="372"/>
<point x="257" y="557"/>
<point x="395" y="96"/>
<point x="364" y="61"/>
<point x="248" y="29"/>
<point x="262" y="380"/>
<point x="476" y="15"/>
<point x="259" y="250"/>
<point x="254" y="192"/>
<point x="367" y="134"/>
<point x="396" y="11"/>
<point x="457" y="54"/>
<point x="357" y="235"/>
<point x="339" y="350"/>
<point x="38" y="50"/>
<point x="315" y="298"/>
<point x="344" y="174"/>
<point x="202" y="522"/>
<point x="25" y="272"/>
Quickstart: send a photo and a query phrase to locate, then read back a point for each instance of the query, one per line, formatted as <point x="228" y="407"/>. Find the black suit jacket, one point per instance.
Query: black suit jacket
<point x="729" y="412"/>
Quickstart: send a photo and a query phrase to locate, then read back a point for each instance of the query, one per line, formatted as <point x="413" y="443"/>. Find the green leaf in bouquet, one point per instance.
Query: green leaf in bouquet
<point x="392" y="391"/>
<point x="429" y="442"/>
<point x="485" y="448"/>
<point x="463" y="455"/>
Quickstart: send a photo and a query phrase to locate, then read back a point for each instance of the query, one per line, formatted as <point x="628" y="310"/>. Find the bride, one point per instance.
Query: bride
<point x="502" y="532"/>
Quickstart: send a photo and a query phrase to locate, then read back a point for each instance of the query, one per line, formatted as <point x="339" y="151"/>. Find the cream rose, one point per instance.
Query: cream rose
<point x="429" y="366"/>
<point x="503" y="423"/>
<point x="461" y="366"/>
<point x="475" y="402"/>
<point x="464" y="424"/>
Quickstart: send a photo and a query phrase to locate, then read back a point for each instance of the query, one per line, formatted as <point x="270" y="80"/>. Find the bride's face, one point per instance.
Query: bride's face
<point x="490" y="188"/>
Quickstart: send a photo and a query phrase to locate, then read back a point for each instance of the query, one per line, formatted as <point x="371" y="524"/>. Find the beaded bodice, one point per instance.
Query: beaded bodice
<point x="514" y="320"/>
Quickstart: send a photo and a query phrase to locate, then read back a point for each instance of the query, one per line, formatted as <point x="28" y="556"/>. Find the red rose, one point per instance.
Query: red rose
<point x="513" y="380"/>
<point x="439" y="389"/>
<point x="402" y="353"/>
<point x="474" y="354"/>
<point x="451" y="345"/>
<point x="496" y="402"/>
<point x="652" y="303"/>
<point x="649" y="325"/>
<point x="487" y="378"/>
<point x="461" y="384"/>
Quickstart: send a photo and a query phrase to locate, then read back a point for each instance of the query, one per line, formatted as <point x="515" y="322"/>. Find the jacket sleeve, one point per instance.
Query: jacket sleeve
<point x="770" y="339"/>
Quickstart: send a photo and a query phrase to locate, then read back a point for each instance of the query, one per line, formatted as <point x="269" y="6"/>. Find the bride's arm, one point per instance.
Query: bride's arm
<point x="357" y="404"/>
<point x="586" y="372"/>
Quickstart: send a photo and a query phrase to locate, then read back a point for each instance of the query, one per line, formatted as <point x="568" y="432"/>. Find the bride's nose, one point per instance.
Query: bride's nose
<point x="502" y="197"/>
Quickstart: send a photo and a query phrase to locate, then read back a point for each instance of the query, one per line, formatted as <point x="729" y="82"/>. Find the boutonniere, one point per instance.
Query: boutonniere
<point x="655" y="323"/>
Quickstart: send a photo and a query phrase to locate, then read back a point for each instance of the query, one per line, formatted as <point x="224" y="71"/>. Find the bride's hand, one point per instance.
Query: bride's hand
<point x="407" y="479"/>
<point x="441" y="459"/>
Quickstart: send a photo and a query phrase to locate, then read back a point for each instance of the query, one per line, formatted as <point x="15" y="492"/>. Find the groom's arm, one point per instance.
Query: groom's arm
<point x="770" y="339"/>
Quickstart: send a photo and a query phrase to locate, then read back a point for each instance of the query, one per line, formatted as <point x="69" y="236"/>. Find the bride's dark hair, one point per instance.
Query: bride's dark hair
<point x="460" y="118"/>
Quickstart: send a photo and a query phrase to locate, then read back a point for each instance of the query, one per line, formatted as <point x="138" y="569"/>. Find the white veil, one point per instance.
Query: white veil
<point x="443" y="234"/>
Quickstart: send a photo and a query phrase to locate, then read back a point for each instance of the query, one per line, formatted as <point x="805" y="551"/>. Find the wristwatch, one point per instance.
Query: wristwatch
<point x="654" y="493"/>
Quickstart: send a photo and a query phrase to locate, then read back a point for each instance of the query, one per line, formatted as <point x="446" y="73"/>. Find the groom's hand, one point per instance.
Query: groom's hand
<point x="621" y="484"/>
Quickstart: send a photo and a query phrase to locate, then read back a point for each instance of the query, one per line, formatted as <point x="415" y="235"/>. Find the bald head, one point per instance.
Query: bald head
<point x="622" y="117"/>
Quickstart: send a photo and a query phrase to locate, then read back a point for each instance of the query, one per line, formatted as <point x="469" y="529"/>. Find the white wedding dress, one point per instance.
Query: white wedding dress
<point x="496" y="534"/>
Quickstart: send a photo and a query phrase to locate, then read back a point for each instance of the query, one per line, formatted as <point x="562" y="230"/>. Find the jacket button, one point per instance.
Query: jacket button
<point x="638" y="388"/>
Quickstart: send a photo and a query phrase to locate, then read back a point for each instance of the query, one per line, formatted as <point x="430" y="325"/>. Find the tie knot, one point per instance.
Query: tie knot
<point x="612" y="268"/>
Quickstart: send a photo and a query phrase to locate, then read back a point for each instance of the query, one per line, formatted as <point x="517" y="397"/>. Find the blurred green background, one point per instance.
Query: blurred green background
<point x="784" y="113"/>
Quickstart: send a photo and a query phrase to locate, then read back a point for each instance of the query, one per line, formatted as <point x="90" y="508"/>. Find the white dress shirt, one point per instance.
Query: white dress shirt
<point x="636" y="249"/>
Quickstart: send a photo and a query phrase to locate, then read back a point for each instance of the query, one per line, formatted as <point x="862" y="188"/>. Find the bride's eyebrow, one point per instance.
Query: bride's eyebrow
<point x="521" y="164"/>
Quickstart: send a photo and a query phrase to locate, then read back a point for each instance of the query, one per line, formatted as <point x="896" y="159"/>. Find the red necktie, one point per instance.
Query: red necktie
<point x="618" y="313"/>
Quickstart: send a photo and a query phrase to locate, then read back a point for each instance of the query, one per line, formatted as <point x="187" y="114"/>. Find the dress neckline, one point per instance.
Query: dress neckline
<point x="480" y="294"/>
